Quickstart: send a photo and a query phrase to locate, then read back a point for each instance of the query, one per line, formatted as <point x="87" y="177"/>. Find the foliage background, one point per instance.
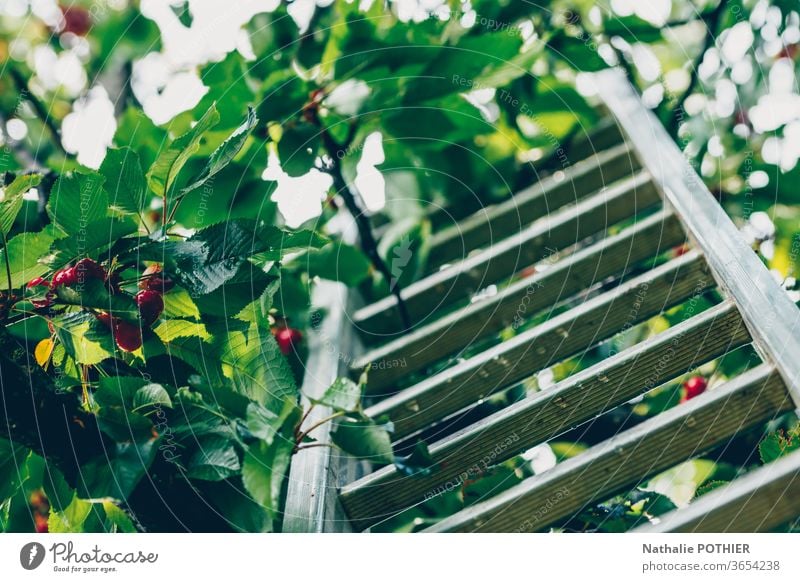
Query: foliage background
<point x="417" y="104"/>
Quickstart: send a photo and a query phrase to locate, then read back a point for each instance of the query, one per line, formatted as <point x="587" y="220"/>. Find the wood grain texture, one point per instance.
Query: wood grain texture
<point x="558" y="231"/>
<point x="542" y="346"/>
<point x="629" y="458"/>
<point x="547" y="414"/>
<point x="761" y="501"/>
<point x="496" y="222"/>
<point x="522" y="299"/>
<point x="773" y="320"/>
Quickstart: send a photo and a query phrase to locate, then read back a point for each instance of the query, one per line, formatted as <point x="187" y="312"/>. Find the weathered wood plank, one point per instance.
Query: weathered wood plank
<point x="447" y="335"/>
<point x="537" y="348"/>
<point x="605" y="135"/>
<point x="547" y="414"/>
<point x="629" y="458"/>
<point x="508" y="256"/>
<point x="496" y="222"/>
<point x="773" y="320"/>
<point x="763" y="500"/>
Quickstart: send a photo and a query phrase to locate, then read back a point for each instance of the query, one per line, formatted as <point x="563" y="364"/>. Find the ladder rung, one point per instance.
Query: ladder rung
<point x="445" y="336"/>
<point x="762" y="500"/>
<point x="540" y="199"/>
<point x="508" y="256"/>
<point x="547" y="414"/>
<point x="537" y="348"/>
<point x="629" y="458"/>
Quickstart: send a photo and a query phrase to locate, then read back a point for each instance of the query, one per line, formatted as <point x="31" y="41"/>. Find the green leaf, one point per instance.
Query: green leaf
<point x="117" y="474"/>
<point x="580" y="54"/>
<point x="83" y="339"/>
<point x="215" y="459"/>
<point x="70" y="520"/>
<point x="250" y="357"/>
<point x="24" y="252"/>
<point x="282" y="242"/>
<point x="343" y="395"/>
<point x="297" y="149"/>
<point x="225" y="153"/>
<point x="264" y="469"/>
<point x="779" y="444"/>
<point x="125" y="180"/>
<point x="117" y="520"/>
<point x="338" y="261"/>
<point x="162" y="174"/>
<point x="93" y="294"/>
<point x="12" y="457"/>
<point x="266" y="425"/>
<point x="98" y="234"/>
<point x="470" y="58"/>
<point x="151" y="395"/>
<point x="12" y="199"/>
<point x="76" y="201"/>
<point x="214" y="255"/>
<point x="631" y="28"/>
<point x="178" y="304"/>
<point x="417" y="463"/>
<point x="365" y="439"/>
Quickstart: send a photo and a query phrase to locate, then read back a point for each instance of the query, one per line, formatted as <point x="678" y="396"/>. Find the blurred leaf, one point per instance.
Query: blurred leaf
<point x="12" y="199"/>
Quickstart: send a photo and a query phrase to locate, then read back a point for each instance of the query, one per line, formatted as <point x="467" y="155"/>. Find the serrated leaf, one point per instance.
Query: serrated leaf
<point x="125" y="181"/>
<point x="251" y="358"/>
<point x="117" y="474"/>
<point x="169" y="330"/>
<point x="24" y="252"/>
<point x="215" y="459"/>
<point x="151" y="395"/>
<point x="12" y="199"/>
<point x="77" y="200"/>
<point x="178" y="304"/>
<point x="264" y="469"/>
<point x="117" y="520"/>
<point x="100" y="233"/>
<point x="70" y="520"/>
<point x="162" y="174"/>
<point x="225" y="153"/>
<point x="82" y="340"/>
<point x="265" y="424"/>
<point x="365" y="439"/>
<point x="343" y="395"/>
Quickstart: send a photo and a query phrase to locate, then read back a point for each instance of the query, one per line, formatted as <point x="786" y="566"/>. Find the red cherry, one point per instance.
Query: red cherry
<point x="41" y="523"/>
<point x="127" y="335"/>
<point x="287" y="338"/>
<point x="680" y="250"/>
<point x="65" y="276"/>
<point x="40" y="303"/>
<point x="694" y="386"/>
<point x="38" y="500"/>
<point x="88" y="269"/>
<point x="150" y="305"/>
<point x="154" y="279"/>
<point x="77" y="20"/>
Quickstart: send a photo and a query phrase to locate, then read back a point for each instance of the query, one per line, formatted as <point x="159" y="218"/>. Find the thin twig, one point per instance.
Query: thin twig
<point x="350" y="196"/>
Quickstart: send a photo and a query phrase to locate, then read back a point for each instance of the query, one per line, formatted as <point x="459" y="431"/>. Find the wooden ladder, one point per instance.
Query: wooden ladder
<point x="626" y="205"/>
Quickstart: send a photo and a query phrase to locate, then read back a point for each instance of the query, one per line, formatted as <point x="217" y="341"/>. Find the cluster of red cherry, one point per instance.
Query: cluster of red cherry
<point x="127" y="334"/>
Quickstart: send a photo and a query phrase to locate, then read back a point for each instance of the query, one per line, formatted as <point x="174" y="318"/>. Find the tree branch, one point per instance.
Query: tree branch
<point x="350" y="196"/>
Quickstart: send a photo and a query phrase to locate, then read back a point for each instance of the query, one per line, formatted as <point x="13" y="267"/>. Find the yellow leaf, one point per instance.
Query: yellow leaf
<point x="43" y="351"/>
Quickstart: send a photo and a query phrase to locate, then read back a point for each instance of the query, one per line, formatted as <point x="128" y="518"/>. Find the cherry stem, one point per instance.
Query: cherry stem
<point x="317" y="424"/>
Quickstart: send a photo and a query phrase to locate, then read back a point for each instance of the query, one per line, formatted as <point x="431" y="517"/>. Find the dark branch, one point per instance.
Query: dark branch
<point x="350" y="197"/>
